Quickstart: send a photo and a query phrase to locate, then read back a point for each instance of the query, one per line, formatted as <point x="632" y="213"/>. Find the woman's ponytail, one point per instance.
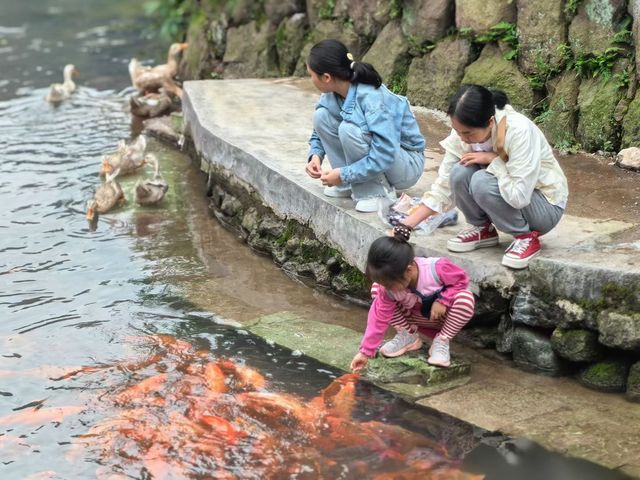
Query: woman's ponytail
<point x="474" y="105"/>
<point x="365" y="73"/>
<point x="332" y="57"/>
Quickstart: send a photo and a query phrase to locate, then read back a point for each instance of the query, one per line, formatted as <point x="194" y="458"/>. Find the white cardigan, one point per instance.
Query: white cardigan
<point x="531" y="166"/>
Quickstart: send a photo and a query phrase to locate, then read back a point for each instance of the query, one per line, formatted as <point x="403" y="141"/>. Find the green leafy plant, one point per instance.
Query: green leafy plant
<point x="326" y="9"/>
<point x="571" y="6"/>
<point x="600" y="64"/>
<point x="395" y="9"/>
<point x="504" y="32"/>
<point x="172" y="16"/>
<point x="624" y="35"/>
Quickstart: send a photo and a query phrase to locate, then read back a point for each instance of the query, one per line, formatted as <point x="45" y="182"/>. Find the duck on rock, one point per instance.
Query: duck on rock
<point x="151" y="190"/>
<point x="61" y="91"/>
<point x="151" y="79"/>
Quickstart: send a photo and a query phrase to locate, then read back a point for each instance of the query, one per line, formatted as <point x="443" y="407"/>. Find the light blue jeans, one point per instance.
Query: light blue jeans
<point x="345" y="143"/>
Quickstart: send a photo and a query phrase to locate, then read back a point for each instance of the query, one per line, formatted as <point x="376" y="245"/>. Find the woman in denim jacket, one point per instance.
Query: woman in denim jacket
<point x="370" y="135"/>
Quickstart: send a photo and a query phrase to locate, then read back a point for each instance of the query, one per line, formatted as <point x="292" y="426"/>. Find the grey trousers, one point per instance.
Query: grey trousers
<point x="476" y="193"/>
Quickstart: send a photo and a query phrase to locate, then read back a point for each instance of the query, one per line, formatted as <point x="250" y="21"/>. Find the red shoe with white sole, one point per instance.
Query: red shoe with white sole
<point x="474" y="237"/>
<point x="522" y="250"/>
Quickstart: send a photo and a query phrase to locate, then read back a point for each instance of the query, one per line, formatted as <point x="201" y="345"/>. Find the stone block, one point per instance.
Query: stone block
<point x="389" y="52"/>
<point x="504" y="342"/>
<point x="230" y="206"/>
<point x="629" y="158"/>
<point x="606" y="376"/>
<point x="620" y="330"/>
<point x="528" y="309"/>
<point x="368" y="16"/>
<point x="289" y="41"/>
<point x="250" y="52"/>
<point x="272" y="227"/>
<point x="559" y="122"/>
<point x="598" y="99"/>
<point x="576" y="345"/>
<point x="427" y="20"/>
<point x="541" y="30"/>
<point x="481" y="15"/>
<point x="330" y="29"/>
<point x="594" y="25"/>
<point x="482" y="336"/>
<point x="493" y="71"/>
<point x="435" y="77"/>
<point x="277" y="10"/>
<point x="633" y="383"/>
<point x="532" y="350"/>
<point x="631" y="124"/>
<point x="250" y="220"/>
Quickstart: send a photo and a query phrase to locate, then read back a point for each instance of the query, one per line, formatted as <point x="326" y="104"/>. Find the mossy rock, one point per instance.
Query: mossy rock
<point x="289" y="41"/>
<point x="620" y="329"/>
<point x="541" y="30"/>
<point x="251" y="51"/>
<point x="330" y="29"/>
<point x="631" y="124"/>
<point x="576" y="345"/>
<point x="481" y="15"/>
<point x="559" y="122"/>
<point x="492" y="70"/>
<point x="606" y="376"/>
<point x="427" y="20"/>
<point x="594" y="25"/>
<point x="389" y="53"/>
<point x="367" y="16"/>
<point x="597" y="102"/>
<point x="532" y="351"/>
<point x="200" y="60"/>
<point x="633" y="383"/>
<point x="413" y="368"/>
<point x="434" y="78"/>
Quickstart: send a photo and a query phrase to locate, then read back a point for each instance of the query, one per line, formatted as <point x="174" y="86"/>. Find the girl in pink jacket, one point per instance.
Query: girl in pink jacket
<point x="415" y="295"/>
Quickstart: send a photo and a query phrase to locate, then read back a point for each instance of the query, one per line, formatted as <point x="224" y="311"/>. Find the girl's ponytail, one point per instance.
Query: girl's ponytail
<point x="332" y="57"/>
<point x="500" y="98"/>
<point x="474" y="105"/>
<point x="388" y="259"/>
<point x="365" y="73"/>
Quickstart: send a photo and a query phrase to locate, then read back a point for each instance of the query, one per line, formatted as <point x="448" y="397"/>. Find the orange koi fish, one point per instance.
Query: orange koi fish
<point x="39" y="416"/>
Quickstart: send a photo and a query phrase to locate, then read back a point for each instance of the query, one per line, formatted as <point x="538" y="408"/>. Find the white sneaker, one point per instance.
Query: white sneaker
<point x="439" y="352"/>
<point x="337" y="192"/>
<point x="373" y="204"/>
<point x="402" y="343"/>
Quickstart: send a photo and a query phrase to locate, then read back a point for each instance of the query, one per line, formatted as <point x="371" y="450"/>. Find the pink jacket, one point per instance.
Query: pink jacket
<point x="433" y="274"/>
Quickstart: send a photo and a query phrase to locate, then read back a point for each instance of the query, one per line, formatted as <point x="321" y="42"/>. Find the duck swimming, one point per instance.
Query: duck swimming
<point x="151" y="79"/>
<point x="61" y="91"/>
<point x="127" y="158"/>
<point x="151" y="191"/>
<point x="106" y="197"/>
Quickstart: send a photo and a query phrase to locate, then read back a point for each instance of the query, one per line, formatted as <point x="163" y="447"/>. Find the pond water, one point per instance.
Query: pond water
<point x="119" y="357"/>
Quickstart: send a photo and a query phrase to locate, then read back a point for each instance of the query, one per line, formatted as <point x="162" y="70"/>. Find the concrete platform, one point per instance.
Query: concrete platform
<point x="259" y="129"/>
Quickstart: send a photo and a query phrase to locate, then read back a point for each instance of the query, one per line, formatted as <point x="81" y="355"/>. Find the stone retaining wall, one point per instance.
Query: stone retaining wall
<point x="568" y="63"/>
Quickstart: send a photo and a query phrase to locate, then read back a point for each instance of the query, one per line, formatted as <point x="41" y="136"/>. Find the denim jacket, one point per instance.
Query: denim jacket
<point x="384" y="116"/>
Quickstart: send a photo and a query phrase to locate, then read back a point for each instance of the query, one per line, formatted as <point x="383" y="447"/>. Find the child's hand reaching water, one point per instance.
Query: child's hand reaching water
<point x="359" y="362"/>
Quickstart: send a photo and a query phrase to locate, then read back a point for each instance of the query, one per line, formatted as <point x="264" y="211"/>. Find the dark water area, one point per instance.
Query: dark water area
<point x="110" y="340"/>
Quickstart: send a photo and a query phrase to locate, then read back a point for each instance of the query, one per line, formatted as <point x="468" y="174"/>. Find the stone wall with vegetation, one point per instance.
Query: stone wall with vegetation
<point x="570" y="64"/>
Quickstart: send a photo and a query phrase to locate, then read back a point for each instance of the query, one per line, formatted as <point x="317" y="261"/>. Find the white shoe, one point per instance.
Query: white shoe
<point x="439" y="352"/>
<point x="373" y="204"/>
<point x="337" y="192"/>
<point x="402" y="343"/>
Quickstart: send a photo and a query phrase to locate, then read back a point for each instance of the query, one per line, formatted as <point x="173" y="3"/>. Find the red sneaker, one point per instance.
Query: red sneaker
<point x="522" y="249"/>
<point x="474" y="237"/>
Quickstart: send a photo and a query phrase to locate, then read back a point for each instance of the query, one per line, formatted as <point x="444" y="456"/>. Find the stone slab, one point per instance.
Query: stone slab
<point x="409" y="376"/>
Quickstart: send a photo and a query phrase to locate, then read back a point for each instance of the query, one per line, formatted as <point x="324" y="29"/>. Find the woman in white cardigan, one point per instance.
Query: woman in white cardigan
<point x="500" y="171"/>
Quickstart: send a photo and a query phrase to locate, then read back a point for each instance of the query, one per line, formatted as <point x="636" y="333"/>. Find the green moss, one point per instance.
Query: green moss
<point x="356" y="278"/>
<point x="326" y="9"/>
<point x="398" y="81"/>
<point x="395" y="10"/>
<point x="289" y="232"/>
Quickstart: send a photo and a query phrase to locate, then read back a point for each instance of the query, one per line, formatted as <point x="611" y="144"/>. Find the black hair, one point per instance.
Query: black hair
<point x="388" y="259"/>
<point x="331" y="56"/>
<point x="474" y="105"/>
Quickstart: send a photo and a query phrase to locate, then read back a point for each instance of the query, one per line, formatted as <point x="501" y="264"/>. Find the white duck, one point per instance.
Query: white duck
<point x="151" y="79"/>
<point x="151" y="191"/>
<point x="127" y="159"/>
<point x="61" y="91"/>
